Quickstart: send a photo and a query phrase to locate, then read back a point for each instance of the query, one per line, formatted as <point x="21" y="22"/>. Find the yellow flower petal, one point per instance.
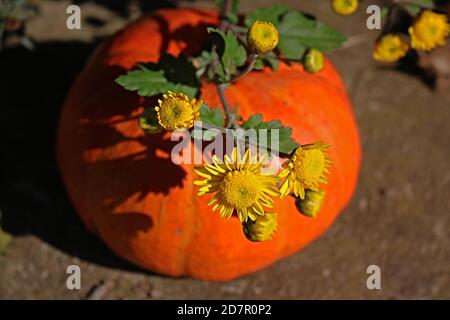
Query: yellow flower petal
<point x="237" y="185"/>
<point x="429" y="30"/>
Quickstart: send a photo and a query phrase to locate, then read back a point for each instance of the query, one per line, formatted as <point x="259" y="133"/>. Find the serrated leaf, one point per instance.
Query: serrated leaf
<point x="286" y="143"/>
<point x="232" y="54"/>
<point x="148" y="121"/>
<point x="178" y="70"/>
<point x="215" y="118"/>
<point x="271" y="14"/>
<point x="169" y="74"/>
<point x="252" y="122"/>
<point x="204" y="58"/>
<point x="299" y="32"/>
<point x="210" y="118"/>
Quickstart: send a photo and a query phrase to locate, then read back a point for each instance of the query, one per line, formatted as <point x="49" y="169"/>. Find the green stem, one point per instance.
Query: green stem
<point x="240" y="75"/>
<point x="226" y="11"/>
<point x="230" y="119"/>
<point x="287" y="60"/>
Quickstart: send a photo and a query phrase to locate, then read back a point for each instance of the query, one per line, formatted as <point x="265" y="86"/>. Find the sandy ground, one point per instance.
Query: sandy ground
<point x="399" y="218"/>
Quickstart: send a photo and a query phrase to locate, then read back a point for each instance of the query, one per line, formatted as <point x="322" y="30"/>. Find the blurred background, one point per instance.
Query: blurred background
<point x="399" y="218"/>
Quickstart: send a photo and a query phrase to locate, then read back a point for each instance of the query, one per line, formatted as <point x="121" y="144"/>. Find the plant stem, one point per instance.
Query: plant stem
<point x="238" y="31"/>
<point x="283" y="59"/>
<point x="226" y="10"/>
<point x="231" y="121"/>
<point x="253" y="58"/>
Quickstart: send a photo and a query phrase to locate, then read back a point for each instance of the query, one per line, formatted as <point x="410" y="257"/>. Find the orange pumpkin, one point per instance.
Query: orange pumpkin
<point x="145" y="208"/>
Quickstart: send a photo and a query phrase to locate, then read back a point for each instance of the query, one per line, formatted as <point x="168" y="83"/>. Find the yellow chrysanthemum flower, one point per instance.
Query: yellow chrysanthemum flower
<point x="390" y="48"/>
<point x="305" y="170"/>
<point x="314" y="61"/>
<point x="177" y="111"/>
<point x="312" y="204"/>
<point x="262" y="229"/>
<point x="429" y="30"/>
<point x="344" y="7"/>
<point x="238" y="185"/>
<point x="262" y="37"/>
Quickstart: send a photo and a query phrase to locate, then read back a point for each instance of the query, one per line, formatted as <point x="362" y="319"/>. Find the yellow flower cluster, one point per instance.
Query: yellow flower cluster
<point x="177" y="111"/>
<point x="305" y="170"/>
<point x="314" y="60"/>
<point x="239" y="186"/>
<point x="390" y="48"/>
<point x="429" y="30"/>
<point x="262" y="37"/>
<point x="344" y="7"/>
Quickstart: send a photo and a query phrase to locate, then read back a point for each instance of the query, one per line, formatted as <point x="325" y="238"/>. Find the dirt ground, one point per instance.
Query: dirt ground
<point x="399" y="218"/>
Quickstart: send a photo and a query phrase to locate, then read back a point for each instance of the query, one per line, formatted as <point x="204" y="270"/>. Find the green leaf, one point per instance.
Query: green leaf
<point x="270" y="60"/>
<point x="5" y="238"/>
<point x="202" y="62"/>
<point x="299" y="32"/>
<point x="170" y="73"/>
<point x="231" y="53"/>
<point x="413" y="9"/>
<point x="253" y="122"/>
<point x="148" y="121"/>
<point x="286" y="142"/>
<point x="178" y="70"/>
<point x="259" y="64"/>
<point x="385" y="12"/>
<point x="210" y="118"/>
<point x="271" y="14"/>
<point x="233" y="16"/>
<point x="215" y="118"/>
<point x="425" y="2"/>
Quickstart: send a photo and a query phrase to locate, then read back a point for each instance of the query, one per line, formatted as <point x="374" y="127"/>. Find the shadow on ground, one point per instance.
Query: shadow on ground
<point x="32" y="197"/>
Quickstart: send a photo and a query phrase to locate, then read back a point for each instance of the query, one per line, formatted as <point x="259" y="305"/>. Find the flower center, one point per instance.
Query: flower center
<point x="310" y="165"/>
<point x="265" y="33"/>
<point x="175" y="112"/>
<point x="240" y="189"/>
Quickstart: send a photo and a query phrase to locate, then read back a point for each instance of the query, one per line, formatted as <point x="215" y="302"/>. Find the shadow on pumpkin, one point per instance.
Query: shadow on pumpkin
<point x="149" y="169"/>
<point x="33" y="200"/>
<point x="184" y="34"/>
<point x="32" y="196"/>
